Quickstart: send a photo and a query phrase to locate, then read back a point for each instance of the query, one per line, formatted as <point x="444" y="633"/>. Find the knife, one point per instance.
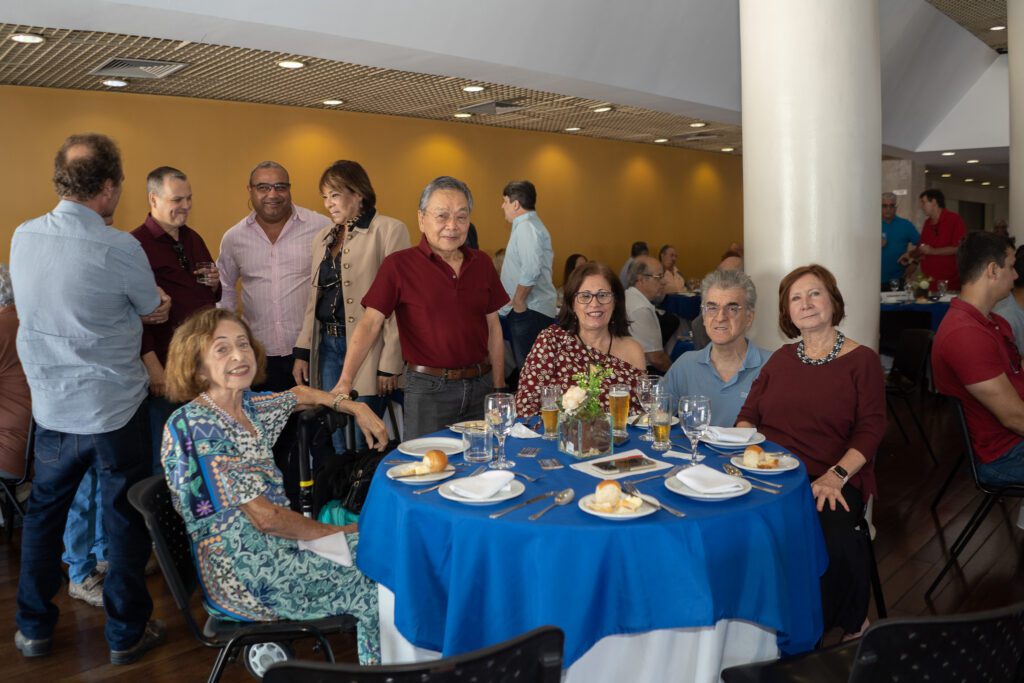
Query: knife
<point x="495" y="515"/>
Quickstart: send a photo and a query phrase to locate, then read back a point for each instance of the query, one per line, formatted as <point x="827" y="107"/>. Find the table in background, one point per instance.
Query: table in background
<point x="894" y="318"/>
<point x="686" y="306"/>
<point x="635" y="598"/>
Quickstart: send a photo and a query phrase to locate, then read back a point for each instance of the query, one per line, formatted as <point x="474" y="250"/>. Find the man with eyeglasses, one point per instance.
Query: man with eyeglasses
<point x="445" y="297"/>
<point x="268" y="251"/>
<point x="174" y="251"/>
<point x="645" y="279"/>
<point x="898" y="238"/>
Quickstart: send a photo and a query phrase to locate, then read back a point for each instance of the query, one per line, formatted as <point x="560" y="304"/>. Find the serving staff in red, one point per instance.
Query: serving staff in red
<point x="941" y="234"/>
<point x="445" y="297"/>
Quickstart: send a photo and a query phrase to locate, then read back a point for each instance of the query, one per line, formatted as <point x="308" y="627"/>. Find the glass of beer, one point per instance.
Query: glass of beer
<point x="660" y="417"/>
<point x="549" y="400"/>
<point x="618" y="406"/>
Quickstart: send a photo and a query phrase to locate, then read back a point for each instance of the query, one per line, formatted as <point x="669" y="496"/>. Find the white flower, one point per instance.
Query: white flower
<point x="573" y="398"/>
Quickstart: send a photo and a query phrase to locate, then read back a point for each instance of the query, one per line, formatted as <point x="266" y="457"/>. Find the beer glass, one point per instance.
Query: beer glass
<point x="549" y="398"/>
<point x="618" y="406"/>
<point x="660" y="419"/>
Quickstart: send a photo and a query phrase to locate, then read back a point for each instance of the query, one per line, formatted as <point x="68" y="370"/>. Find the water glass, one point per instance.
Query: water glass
<point x="477" y="441"/>
<point x="549" y="398"/>
<point x="894" y="285"/>
<point x="646" y="387"/>
<point x="618" y="406"/>
<point x="500" y="415"/>
<point x="695" y="415"/>
<point x="206" y="273"/>
<point x="942" y="286"/>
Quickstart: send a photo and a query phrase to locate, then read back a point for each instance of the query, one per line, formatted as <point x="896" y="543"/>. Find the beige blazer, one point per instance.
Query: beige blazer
<point x="361" y="256"/>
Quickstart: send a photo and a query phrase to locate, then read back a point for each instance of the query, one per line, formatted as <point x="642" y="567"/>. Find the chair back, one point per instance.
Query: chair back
<point x="984" y="646"/>
<point x="911" y="357"/>
<point x="535" y="656"/>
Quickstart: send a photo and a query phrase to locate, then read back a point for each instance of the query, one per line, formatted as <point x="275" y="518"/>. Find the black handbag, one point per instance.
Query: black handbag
<point x="346" y="477"/>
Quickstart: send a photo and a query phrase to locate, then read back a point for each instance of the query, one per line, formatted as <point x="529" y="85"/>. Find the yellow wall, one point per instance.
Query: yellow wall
<point x="595" y="196"/>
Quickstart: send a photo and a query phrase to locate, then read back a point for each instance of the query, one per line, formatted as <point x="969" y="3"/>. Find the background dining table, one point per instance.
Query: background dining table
<point x="734" y="581"/>
<point x="686" y="306"/>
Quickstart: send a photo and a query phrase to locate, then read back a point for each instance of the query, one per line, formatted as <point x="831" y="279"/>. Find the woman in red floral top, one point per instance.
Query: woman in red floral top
<point x="592" y="329"/>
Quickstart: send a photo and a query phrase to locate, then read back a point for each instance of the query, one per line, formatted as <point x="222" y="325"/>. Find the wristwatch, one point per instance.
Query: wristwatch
<point x="841" y="473"/>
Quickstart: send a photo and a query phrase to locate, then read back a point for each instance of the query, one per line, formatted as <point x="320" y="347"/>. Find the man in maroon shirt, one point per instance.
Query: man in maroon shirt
<point x="940" y="236"/>
<point x="445" y="297"/>
<point x="975" y="358"/>
<point x="174" y="251"/>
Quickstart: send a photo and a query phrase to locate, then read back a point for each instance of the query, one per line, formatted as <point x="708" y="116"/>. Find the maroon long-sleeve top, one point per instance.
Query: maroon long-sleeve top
<point x="818" y="412"/>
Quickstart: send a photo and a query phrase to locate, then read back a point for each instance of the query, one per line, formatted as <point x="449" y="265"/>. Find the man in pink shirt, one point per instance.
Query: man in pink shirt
<point x="269" y="252"/>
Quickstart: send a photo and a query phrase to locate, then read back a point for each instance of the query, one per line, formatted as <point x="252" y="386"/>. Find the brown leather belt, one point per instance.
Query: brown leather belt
<point x="468" y="372"/>
<point x="333" y="329"/>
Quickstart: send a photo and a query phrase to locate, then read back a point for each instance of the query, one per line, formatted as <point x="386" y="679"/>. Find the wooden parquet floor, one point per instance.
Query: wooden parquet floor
<point x="911" y="546"/>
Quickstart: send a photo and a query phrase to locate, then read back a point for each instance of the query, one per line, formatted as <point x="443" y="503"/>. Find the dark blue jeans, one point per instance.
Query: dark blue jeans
<point x="1007" y="469"/>
<point x="332" y="359"/>
<point x="523" y="329"/>
<point x="121" y="457"/>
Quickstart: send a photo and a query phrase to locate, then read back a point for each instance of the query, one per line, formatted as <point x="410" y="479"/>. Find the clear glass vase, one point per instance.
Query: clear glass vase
<point x="585" y="438"/>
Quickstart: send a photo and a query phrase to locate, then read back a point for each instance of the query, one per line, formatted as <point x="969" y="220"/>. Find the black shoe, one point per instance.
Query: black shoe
<point x="154" y="635"/>
<point x="32" y="648"/>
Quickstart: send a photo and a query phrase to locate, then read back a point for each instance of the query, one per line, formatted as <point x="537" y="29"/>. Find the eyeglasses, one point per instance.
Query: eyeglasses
<point x="654" y="277"/>
<point x="888" y="206"/>
<point x="179" y="251"/>
<point x="264" y="188"/>
<point x="730" y="310"/>
<point x="603" y="297"/>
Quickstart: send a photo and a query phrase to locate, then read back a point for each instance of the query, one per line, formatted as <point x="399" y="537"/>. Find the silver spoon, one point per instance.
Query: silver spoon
<point x="561" y="498"/>
<point x="736" y="472"/>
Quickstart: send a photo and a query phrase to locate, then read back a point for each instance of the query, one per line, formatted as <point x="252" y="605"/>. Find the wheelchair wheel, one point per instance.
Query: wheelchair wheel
<point x="259" y="656"/>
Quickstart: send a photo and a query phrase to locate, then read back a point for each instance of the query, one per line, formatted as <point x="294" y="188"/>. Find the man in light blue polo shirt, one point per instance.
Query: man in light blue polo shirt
<point x="725" y="369"/>
<point x="898" y="234"/>
<point x="526" y="271"/>
<point x="84" y="290"/>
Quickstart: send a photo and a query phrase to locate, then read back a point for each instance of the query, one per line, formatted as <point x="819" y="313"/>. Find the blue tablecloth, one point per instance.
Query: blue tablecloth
<point x="463" y="581"/>
<point x="936" y="310"/>
<point x="686" y="306"/>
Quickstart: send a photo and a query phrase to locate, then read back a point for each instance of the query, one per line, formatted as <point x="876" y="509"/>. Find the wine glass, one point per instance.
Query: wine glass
<point x="500" y="413"/>
<point x="646" y="387"/>
<point x="942" y="287"/>
<point x="695" y="414"/>
<point x="894" y="285"/>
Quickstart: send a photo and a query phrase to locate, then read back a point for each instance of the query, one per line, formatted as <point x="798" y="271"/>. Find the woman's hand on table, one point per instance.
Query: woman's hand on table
<point x="828" y="488"/>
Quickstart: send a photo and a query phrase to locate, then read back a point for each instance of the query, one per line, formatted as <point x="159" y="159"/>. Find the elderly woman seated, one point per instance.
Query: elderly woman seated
<point x="724" y="370"/>
<point x="220" y="468"/>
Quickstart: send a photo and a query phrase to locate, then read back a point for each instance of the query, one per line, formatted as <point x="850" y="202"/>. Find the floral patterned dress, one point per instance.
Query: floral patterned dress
<point x="213" y="466"/>
<point x="556" y="356"/>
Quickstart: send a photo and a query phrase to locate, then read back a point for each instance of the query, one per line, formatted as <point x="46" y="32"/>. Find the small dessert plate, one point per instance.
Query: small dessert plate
<point x="642" y="511"/>
<point x="512" y="490"/>
<point x="395" y="472"/>
<point x="787" y="463"/>
<point x="419" y="447"/>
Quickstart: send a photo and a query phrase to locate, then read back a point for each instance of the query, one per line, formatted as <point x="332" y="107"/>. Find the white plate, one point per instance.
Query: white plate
<point x="675" y="486"/>
<point x="420" y="478"/>
<point x="642" y="422"/>
<point x="642" y="511"/>
<point x="786" y="463"/>
<point x="461" y="427"/>
<point x="758" y="438"/>
<point x="515" y="489"/>
<point x="419" y="447"/>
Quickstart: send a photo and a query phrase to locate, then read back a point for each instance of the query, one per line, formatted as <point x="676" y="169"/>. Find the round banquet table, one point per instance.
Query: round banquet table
<point x="686" y="306"/>
<point x="649" y="594"/>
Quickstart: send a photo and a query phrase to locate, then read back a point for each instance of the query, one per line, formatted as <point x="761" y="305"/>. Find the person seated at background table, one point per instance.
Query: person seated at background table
<point x="636" y="249"/>
<point x="644" y="280"/>
<point x="731" y="260"/>
<point x="591" y="330"/>
<point x="572" y="263"/>
<point x="15" y="398"/>
<point x="823" y="399"/>
<point x="674" y="282"/>
<point x="725" y="370"/>
<point x="975" y="359"/>
<point x="220" y="468"/>
<point x="1012" y="307"/>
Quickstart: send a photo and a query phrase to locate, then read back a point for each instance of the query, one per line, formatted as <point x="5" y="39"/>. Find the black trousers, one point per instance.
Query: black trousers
<point x="846" y="584"/>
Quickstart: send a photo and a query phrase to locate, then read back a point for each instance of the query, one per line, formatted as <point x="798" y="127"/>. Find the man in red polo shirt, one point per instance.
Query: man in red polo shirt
<point x="445" y="297"/>
<point x="975" y="358"/>
<point x="940" y="236"/>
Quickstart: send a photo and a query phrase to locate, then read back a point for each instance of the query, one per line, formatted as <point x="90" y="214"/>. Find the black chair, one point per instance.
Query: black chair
<point x="907" y="376"/>
<point x="534" y="657"/>
<point x="10" y="506"/>
<point x="984" y="646"/>
<point x="991" y="494"/>
<point x="262" y="642"/>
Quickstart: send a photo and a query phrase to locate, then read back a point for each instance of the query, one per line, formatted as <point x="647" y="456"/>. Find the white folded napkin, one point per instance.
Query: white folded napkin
<point x="731" y="434"/>
<point x="703" y="479"/>
<point x="521" y="431"/>
<point x="333" y="547"/>
<point x="482" y="485"/>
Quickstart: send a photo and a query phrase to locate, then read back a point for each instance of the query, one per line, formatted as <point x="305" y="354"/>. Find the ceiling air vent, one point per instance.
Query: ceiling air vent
<point x="121" y="67"/>
<point x="493" y="108"/>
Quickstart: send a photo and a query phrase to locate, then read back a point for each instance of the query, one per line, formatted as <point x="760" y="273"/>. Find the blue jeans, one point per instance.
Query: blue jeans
<point x="332" y="360"/>
<point x="1007" y="469"/>
<point x="431" y="403"/>
<point x="523" y="329"/>
<point x="84" y="540"/>
<point x="121" y="458"/>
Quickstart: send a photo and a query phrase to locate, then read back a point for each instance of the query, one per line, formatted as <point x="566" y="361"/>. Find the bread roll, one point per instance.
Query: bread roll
<point x="608" y="493"/>
<point x="435" y="460"/>
<point x="752" y="456"/>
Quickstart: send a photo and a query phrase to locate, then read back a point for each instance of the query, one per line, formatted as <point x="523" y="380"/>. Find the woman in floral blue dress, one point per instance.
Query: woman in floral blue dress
<point x="219" y="465"/>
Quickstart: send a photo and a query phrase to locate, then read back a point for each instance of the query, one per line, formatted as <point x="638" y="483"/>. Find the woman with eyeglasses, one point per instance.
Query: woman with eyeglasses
<point x="725" y="369"/>
<point x="591" y="329"/>
<point x="346" y="258"/>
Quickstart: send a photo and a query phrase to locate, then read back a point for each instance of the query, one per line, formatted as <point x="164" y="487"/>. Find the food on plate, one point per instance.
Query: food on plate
<point x="610" y="499"/>
<point x="433" y="461"/>
<point x="755" y="457"/>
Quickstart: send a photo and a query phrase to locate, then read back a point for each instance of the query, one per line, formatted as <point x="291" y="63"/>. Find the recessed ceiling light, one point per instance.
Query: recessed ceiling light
<point x="115" y="83"/>
<point x="986" y="183"/>
<point x="947" y="175"/>
<point x="602" y="109"/>
<point x="1002" y="187"/>
<point x="728" y="149"/>
<point x="289" y="64"/>
<point x="27" y="38"/>
<point x="968" y="180"/>
<point x="462" y="114"/>
<point x="698" y="124"/>
<point x="472" y="88"/>
<point x="660" y="140"/>
<point x="972" y="161"/>
<point x="333" y="103"/>
<point x="948" y="154"/>
<point x="997" y="28"/>
<point x="572" y="129"/>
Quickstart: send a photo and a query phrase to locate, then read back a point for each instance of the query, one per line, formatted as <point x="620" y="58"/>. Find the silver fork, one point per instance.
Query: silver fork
<point x="664" y="475"/>
<point x="527" y="477"/>
<point x="435" y="487"/>
<point x="632" y="490"/>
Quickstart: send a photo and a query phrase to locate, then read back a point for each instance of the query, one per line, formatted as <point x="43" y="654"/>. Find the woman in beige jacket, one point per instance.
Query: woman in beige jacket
<point x="346" y="258"/>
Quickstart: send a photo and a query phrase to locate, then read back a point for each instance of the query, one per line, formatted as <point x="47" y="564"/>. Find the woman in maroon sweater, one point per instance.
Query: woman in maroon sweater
<point x="823" y="399"/>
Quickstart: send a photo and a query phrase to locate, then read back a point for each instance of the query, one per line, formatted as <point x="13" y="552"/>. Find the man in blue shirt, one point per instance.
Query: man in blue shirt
<point x="84" y="290"/>
<point x="898" y="234"/>
<point x="526" y="270"/>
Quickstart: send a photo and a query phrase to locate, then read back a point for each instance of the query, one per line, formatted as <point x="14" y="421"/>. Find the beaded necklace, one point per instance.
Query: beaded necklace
<point x="804" y="358"/>
<point x="228" y="418"/>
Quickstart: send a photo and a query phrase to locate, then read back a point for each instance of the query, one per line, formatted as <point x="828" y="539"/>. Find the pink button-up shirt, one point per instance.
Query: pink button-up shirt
<point x="275" y="277"/>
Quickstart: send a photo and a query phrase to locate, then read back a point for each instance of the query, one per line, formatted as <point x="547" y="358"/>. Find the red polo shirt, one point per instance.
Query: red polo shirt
<point x="947" y="232"/>
<point x="970" y="348"/>
<point x="442" y="317"/>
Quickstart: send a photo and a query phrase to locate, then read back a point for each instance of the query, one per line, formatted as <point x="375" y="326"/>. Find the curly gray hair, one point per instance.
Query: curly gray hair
<point x="6" y="288"/>
<point x="730" y="279"/>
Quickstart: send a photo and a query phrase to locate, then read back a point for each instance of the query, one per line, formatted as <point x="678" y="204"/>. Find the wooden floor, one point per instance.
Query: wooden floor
<point x="911" y="547"/>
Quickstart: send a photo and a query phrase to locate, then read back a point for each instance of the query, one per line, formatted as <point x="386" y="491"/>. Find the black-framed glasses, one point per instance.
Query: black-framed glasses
<point x="179" y="252"/>
<point x="603" y="297"/>
<point x="712" y="310"/>
<point x="264" y="188"/>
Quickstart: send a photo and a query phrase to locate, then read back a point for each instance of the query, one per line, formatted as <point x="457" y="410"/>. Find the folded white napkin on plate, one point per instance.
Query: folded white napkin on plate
<point x="482" y="485"/>
<point x="521" y="431"/>
<point x="333" y="547"/>
<point x="731" y="434"/>
<point x="703" y="479"/>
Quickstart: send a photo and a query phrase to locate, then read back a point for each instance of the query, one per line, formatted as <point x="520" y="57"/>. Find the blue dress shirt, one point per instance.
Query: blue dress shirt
<point x="528" y="263"/>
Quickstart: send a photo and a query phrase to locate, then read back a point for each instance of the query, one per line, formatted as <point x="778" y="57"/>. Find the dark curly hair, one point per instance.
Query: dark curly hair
<point x="83" y="175"/>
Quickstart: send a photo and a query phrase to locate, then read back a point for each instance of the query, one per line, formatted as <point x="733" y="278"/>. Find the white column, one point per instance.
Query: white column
<point x="1015" y="57"/>
<point x="812" y="146"/>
